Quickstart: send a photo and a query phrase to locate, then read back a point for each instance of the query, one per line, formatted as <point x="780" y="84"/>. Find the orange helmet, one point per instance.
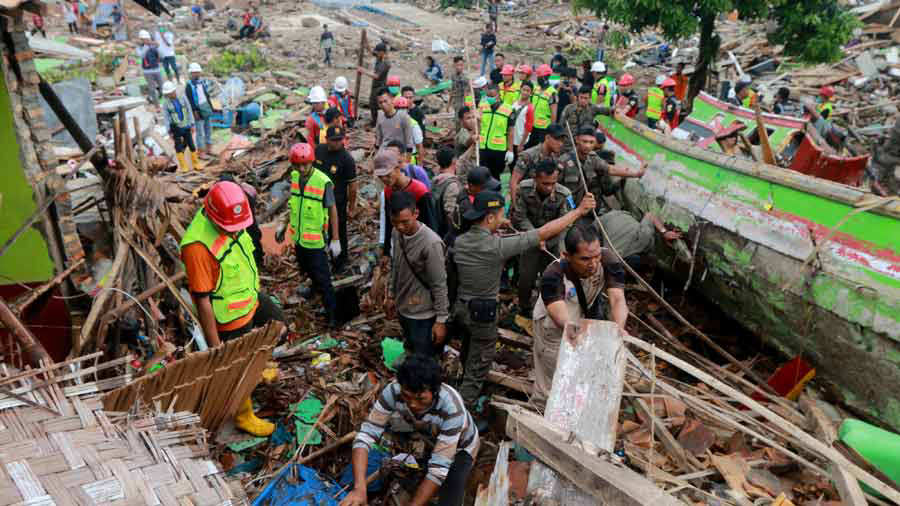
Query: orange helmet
<point x="302" y="153"/>
<point x="544" y="70"/>
<point x="400" y="102"/>
<point x="393" y="81"/>
<point x="525" y="69"/>
<point x="227" y="206"/>
<point x="668" y="83"/>
<point x="507" y="70"/>
<point x="826" y="91"/>
<point x="626" y="80"/>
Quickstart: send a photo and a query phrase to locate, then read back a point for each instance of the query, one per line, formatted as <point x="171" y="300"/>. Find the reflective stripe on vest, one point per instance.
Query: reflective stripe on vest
<point x="182" y="122"/>
<point x="750" y="100"/>
<point x="309" y="217"/>
<point x="509" y="94"/>
<point x="237" y="288"/>
<point x="494" y="127"/>
<point x="543" y="114"/>
<point x="655" y="99"/>
<point x="826" y="106"/>
<point x="321" y="122"/>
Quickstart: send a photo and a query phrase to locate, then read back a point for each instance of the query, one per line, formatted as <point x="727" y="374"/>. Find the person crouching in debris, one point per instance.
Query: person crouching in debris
<point x="313" y="209"/>
<point x="223" y="278"/>
<point x="180" y="118"/>
<point x="418" y="287"/>
<point x="421" y="402"/>
<point x="570" y="290"/>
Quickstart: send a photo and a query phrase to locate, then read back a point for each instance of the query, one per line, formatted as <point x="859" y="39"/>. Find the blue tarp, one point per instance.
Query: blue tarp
<point x="310" y="490"/>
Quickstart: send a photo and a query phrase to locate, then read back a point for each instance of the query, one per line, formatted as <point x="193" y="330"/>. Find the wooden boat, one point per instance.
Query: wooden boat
<point x="811" y="265"/>
<point x="788" y="136"/>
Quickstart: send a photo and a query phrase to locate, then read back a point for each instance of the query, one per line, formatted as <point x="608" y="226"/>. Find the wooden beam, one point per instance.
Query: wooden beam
<point x="515" y="339"/>
<point x="33" y="350"/>
<point x="847" y="485"/>
<point x="684" y="459"/>
<point x="511" y="382"/>
<point x="359" y="64"/>
<point x="601" y="479"/>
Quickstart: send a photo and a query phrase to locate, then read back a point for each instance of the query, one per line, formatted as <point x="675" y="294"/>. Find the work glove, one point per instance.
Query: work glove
<point x="509" y="157"/>
<point x="335" y="247"/>
<point x="279" y="233"/>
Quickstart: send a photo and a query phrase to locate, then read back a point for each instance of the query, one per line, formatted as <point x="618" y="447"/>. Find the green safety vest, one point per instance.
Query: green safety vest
<point x="494" y="126"/>
<point x="750" y="100"/>
<point x="826" y="106"/>
<point x="509" y="94"/>
<point x="186" y="118"/>
<point x="610" y="84"/>
<point x="309" y="218"/>
<point x="543" y="114"/>
<point x="237" y="289"/>
<point x="655" y="99"/>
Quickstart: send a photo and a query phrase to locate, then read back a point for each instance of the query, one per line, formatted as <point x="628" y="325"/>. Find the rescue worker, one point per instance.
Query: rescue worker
<point x="197" y="92"/>
<point x="523" y="72"/>
<point x="595" y="170"/>
<point x="570" y="290"/>
<point x="627" y="99"/>
<point x="379" y="78"/>
<point x="435" y="412"/>
<point x="544" y="100"/>
<point x="223" y="279"/>
<point x="417" y="291"/>
<point x="681" y="81"/>
<point x="312" y="210"/>
<point x="446" y="190"/>
<point x="479" y="256"/>
<point x="180" y="118"/>
<point x="418" y="138"/>
<point x="479" y="85"/>
<point x="549" y="149"/>
<point x="825" y="106"/>
<point x="495" y="133"/>
<point x="539" y="201"/>
<point x="744" y="95"/>
<point x="832" y="134"/>
<point x="604" y="91"/>
<point x="671" y="114"/>
<point x="655" y="101"/>
<point x="393" y="85"/>
<point x="151" y="64"/>
<point x="509" y="88"/>
<point x="886" y="163"/>
<point x="333" y="159"/>
<point x="478" y="180"/>
<point x="633" y="238"/>
<point x="343" y="100"/>
<point x="580" y="114"/>
<point x="315" y="122"/>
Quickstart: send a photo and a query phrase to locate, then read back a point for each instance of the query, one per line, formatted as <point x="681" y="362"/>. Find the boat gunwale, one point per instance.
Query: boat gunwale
<point x="790" y="178"/>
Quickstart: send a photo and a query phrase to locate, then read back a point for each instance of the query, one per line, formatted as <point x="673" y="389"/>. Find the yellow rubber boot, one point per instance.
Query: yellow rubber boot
<point x="247" y="421"/>
<point x="525" y="324"/>
<point x="195" y="161"/>
<point x="182" y="166"/>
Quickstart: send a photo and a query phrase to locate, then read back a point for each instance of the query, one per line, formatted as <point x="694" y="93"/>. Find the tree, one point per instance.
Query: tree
<point x="678" y="19"/>
<point x="813" y="30"/>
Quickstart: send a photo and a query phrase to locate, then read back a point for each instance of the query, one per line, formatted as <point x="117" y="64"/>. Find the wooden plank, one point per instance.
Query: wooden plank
<point x="515" y="339"/>
<point x="511" y="382"/>
<point x="603" y="480"/>
<point x="684" y="459"/>
<point x="847" y="485"/>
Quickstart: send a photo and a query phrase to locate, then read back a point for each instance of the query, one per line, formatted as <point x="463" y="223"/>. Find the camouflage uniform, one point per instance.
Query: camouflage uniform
<point x="886" y="161"/>
<point x="577" y="117"/>
<point x="599" y="182"/>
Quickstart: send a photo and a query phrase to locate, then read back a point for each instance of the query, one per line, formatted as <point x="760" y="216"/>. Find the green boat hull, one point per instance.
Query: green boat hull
<point x="811" y="266"/>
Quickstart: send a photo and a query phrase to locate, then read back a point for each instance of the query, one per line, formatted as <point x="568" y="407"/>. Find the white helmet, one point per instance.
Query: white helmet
<point x="169" y="87"/>
<point x="340" y="84"/>
<point x="195" y="67"/>
<point x="660" y="79"/>
<point x="317" y="95"/>
<point x="479" y="82"/>
<point x="598" y="66"/>
<point x="144" y="35"/>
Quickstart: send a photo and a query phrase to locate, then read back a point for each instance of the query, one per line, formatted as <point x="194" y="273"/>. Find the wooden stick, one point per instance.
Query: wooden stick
<point x="146" y="294"/>
<point x="359" y="63"/>
<point x="477" y="140"/>
<point x="30" y="221"/>
<point x="33" y="350"/>
<point x="85" y="335"/>
<point x="346" y="438"/>
<point x="768" y="156"/>
<point x="20" y="306"/>
<point x="682" y="457"/>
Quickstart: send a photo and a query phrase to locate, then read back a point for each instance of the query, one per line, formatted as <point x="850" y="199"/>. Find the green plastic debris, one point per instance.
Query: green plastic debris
<point x="302" y="429"/>
<point x="307" y="410"/>
<point x="239" y="446"/>
<point x="392" y="351"/>
<point x="285" y="74"/>
<point x="265" y="98"/>
<point x="441" y="86"/>
<point x="302" y="91"/>
<point x="44" y="64"/>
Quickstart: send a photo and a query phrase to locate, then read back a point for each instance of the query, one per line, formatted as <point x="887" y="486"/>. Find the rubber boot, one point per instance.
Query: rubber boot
<point x="248" y="422"/>
<point x="525" y="323"/>
<point x="195" y="161"/>
<point x="182" y="166"/>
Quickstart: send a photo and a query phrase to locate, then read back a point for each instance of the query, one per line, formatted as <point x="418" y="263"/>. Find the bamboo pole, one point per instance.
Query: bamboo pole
<point x="33" y="350"/>
<point x="359" y="64"/>
<point x="477" y="139"/>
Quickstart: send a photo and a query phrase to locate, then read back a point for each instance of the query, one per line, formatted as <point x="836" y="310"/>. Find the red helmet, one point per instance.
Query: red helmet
<point x="401" y="102"/>
<point x="507" y="70"/>
<point x="668" y="83"/>
<point x="525" y="69"/>
<point x="826" y="91"/>
<point x="302" y="153"/>
<point x="227" y="206"/>
<point x="626" y="80"/>
<point x="393" y="81"/>
<point x="544" y="70"/>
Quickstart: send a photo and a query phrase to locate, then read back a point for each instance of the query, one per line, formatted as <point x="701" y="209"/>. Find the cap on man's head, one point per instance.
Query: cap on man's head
<point x="478" y="175"/>
<point x="556" y="131"/>
<point x="381" y="46"/>
<point x="335" y="133"/>
<point x="586" y="130"/>
<point x="485" y="202"/>
<point x="385" y="162"/>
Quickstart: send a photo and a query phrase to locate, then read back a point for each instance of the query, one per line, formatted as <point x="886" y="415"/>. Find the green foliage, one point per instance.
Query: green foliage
<point x="813" y="30"/>
<point x="58" y="74"/>
<point x="242" y="60"/>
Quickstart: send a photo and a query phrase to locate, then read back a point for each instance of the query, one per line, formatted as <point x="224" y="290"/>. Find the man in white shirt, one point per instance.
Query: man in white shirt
<point x="166" y="47"/>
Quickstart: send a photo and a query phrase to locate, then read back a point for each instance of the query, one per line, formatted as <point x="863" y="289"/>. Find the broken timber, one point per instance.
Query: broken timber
<point x="603" y="480"/>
